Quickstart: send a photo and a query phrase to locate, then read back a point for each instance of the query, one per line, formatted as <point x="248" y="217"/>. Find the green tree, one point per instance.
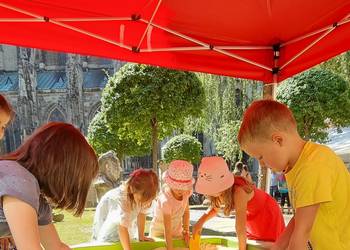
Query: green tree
<point x="339" y="65"/>
<point x="103" y="139"/>
<point x="182" y="147"/>
<point x="226" y="99"/>
<point x="319" y="99"/>
<point x="226" y="141"/>
<point x="151" y="102"/>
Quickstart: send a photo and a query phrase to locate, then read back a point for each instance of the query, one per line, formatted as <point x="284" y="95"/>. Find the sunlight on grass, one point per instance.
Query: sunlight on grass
<point x="75" y="230"/>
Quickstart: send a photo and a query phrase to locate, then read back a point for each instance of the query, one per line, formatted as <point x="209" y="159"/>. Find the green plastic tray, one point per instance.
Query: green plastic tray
<point x="223" y="241"/>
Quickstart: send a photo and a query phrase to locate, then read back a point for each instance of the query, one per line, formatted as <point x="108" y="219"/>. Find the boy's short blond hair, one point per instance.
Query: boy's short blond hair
<point x="263" y="117"/>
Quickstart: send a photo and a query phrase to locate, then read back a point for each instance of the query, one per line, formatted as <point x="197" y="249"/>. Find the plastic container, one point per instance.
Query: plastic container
<point x="223" y="241"/>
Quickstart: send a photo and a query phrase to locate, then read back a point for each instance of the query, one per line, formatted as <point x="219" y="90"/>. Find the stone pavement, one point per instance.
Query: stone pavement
<point x="219" y="225"/>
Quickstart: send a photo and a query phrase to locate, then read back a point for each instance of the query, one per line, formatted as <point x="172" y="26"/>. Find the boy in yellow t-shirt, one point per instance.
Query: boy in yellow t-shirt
<point x="318" y="181"/>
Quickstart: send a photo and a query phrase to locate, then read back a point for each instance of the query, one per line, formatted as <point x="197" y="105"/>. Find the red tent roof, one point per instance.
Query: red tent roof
<point x="255" y="39"/>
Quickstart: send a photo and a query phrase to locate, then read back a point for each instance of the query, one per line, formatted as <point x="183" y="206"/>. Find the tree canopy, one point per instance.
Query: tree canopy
<point x="319" y="99"/>
<point x="148" y="103"/>
<point x="339" y="65"/>
<point x="226" y="100"/>
<point x="226" y="141"/>
<point x="182" y="147"/>
<point x="103" y="139"/>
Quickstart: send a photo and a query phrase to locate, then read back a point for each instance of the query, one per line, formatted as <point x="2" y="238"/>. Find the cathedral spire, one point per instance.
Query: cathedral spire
<point x="75" y="108"/>
<point x="27" y="85"/>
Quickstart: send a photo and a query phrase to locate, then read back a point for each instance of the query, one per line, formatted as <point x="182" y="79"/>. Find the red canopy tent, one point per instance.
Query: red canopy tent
<point x="266" y="40"/>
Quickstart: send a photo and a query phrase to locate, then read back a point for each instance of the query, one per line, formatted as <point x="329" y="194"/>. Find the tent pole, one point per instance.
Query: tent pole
<point x="269" y="92"/>
<point x="149" y="25"/>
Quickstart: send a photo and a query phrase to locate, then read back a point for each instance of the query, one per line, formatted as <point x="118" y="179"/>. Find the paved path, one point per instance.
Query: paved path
<point x="219" y="225"/>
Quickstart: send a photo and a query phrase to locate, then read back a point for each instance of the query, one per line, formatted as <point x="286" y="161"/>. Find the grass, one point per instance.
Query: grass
<point x="75" y="230"/>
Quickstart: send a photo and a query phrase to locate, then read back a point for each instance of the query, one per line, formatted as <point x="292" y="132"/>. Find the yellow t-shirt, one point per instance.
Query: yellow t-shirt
<point x="320" y="177"/>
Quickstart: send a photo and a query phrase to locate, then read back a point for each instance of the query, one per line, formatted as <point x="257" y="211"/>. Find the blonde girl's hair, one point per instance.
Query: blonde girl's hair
<point x="226" y="199"/>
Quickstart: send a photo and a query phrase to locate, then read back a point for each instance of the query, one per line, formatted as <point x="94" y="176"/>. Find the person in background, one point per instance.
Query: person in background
<point x="274" y="192"/>
<point x="283" y="189"/>
<point x="242" y="170"/>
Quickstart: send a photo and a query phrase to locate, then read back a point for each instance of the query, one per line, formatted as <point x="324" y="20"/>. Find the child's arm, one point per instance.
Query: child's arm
<point x="186" y="224"/>
<point x="141" y="221"/>
<point x="197" y="228"/>
<point x="50" y="239"/>
<point x="124" y="237"/>
<point x="241" y="199"/>
<point x="283" y="241"/>
<point x="22" y="220"/>
<point x="168" y="231"/>
<point x="304" y="220"/>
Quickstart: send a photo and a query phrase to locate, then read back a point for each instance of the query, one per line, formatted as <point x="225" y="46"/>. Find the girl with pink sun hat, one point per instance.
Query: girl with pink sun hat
<point x="172" y="215"/>
<point x="258" y="216"/>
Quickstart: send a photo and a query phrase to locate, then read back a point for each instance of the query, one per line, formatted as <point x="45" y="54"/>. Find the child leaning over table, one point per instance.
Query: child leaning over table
<point x="258" y="216"/>
<point x="39" y="175"/>
<point x="172" y="215"/>
<point x="121" y="212"/>
<point x="317" y="179"/>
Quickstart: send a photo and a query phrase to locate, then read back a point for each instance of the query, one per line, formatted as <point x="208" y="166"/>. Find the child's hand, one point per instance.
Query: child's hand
<point x="197" y="229"/>
<point x="186" y="237"/>
<point x="144" y="238"/>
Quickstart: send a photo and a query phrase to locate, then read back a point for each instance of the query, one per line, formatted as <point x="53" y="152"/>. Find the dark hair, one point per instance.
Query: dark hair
<point x="62" y="161"/>
<point x="143" y="181"/>
<point x="239" y="167"/>
<point x="5" y="106"/>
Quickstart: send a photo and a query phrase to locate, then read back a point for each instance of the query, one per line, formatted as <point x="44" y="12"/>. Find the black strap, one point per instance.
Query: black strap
<point x="309" y="246"/>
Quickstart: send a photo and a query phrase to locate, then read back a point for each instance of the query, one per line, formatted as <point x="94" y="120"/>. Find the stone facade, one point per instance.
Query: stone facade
<point x="46" y="86"/>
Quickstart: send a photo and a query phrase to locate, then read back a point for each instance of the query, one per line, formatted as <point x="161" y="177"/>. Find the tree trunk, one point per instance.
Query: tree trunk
<point x="121" y="160"/>
<point x="306" y="130"/>
<point x="155" y="143"/>
<point x="346" y="67"/>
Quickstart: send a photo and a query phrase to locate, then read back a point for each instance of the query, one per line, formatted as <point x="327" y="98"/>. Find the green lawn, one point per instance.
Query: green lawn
<point x="75" y="230"/>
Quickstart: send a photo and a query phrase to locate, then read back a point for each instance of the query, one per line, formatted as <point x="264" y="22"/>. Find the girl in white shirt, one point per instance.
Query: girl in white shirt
<point x="121" y="213"/>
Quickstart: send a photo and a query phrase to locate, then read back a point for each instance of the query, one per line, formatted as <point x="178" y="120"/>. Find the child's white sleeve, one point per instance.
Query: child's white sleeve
<point x="165" y="206"/>
<point x="148" y="210"/>
<point x="125" y="213"/>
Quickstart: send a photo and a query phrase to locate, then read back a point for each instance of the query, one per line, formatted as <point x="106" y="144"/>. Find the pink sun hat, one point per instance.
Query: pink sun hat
<point x="213" y="176"/>
<point x="179" y="175"/>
